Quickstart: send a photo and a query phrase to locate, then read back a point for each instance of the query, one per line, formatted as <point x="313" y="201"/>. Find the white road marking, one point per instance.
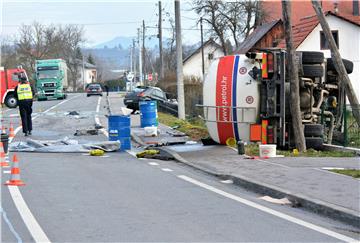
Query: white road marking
<point x="153" y="163"/>
<point x="28" y="218"/>
<point x="269" y="211"/>
<point x="97" y="120"/>
<point x="11" y="227"/>
<point x="166" y="169"/>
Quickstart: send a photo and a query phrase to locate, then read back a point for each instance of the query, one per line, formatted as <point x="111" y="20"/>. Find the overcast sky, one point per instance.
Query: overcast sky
<point x="102" y="20"/>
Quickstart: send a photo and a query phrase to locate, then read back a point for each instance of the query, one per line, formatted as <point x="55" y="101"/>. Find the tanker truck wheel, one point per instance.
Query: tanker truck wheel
<point x="314" y="143"/>
<point x="11" y="101"/>
<point x="349" y="65"/>
<point x="313" y="130"/>
<point x="313" y="71"/>
<point x="312" y="57"/>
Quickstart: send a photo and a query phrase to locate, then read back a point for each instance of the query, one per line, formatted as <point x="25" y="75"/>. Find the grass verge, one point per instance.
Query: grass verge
<point x="194" y="128"/>
<point x="253" y="150"/>
<point x="349" y="172"/>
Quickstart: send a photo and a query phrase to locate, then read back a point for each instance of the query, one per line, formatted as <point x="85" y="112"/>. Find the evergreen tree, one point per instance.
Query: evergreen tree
<point x="90" y="59"/>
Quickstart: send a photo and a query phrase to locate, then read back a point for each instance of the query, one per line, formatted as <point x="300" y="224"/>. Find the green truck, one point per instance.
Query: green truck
<point x="51" y="79"/>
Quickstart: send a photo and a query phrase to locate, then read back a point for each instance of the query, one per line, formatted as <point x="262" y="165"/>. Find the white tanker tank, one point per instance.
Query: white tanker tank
<point x="231" y="98"/>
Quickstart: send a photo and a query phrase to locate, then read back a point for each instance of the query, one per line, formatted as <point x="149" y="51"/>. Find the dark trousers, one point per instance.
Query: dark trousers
<point x="25" y="107"/>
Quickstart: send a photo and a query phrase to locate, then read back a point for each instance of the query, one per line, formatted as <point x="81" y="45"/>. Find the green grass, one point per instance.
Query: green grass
<point x="194" y="128"/>
<point x="253" y="150"/>
<point x="349" y="172"/>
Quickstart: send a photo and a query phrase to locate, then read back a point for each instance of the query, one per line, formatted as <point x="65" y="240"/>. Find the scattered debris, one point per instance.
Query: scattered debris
<point x="147" y="152"/>
<point x="73" y="113"/>
<point x="175" y="133"/>
<point x="282" y="201"/>
<point x="151" y="131"/>
<point x="227" y="181"/>
<point x="97" y="152"/>
<point x="208" y="141"/>
<point x="82" y="132"/>
<point x="154" y="154"/>
<point x="98" y="126"/>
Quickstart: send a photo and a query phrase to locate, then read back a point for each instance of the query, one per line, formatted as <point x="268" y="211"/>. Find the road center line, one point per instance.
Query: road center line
<point x="24" y="211"/>
<point x="268" y="210"/>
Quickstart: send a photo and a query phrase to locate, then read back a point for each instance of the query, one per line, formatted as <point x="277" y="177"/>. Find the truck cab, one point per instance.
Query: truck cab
<point x="8" y="81"/>
<point x="51" y="79"/>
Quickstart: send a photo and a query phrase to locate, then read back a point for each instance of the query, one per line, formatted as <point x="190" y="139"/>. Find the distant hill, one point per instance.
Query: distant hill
<point x="125" y="42"/>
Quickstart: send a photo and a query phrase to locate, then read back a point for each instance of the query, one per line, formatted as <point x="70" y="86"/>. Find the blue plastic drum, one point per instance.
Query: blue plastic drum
<point x="148" y="113"/>
<point x="119" y="130"/>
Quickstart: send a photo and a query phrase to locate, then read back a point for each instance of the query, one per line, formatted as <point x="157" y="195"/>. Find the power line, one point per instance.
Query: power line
<point x="87" y="24"/>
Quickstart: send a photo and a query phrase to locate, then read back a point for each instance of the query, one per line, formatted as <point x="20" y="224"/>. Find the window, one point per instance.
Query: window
<point x="211" y="56"/>
<point x="324" y="45"/>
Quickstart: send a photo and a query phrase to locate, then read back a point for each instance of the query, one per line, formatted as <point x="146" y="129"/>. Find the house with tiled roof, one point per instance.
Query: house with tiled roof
<point x="192" y="64"/>
<point x="308" y="36"/>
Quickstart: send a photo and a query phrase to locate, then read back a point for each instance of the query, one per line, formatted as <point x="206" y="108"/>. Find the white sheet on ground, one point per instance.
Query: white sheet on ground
<point x="65" y="145"/>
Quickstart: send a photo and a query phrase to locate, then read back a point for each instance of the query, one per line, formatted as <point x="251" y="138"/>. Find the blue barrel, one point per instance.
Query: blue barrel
<point x="148" y="113"/>
<point x="119" y="129"/>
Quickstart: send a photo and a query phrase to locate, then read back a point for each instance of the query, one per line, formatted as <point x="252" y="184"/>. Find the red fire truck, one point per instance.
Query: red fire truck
<point x="8" y="81"/>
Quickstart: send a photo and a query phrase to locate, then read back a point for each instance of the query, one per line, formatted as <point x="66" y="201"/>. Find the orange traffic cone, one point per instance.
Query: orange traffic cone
<point x="15" y="174"/>
<point x="11" y="131"/>
<point x="3" y="163"/>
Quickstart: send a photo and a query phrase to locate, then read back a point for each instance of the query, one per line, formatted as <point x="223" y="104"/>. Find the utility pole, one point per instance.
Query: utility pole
<point x="202" y="48"/>
<point x="339" y="65"/>
<point x="179" y="63"/>
<point x="140" y="59"/>
<point x="83" y="70"/>
<point x="294" y="79"/>
<point x="134" y="62"/>
<point x="161" y="74"/>
<point x="131" y="66"/>
<point x="143" y="51"/>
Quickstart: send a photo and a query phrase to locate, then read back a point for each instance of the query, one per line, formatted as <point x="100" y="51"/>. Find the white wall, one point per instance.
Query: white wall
<point x="193" y="66"/>
<point x="349" y="45"/>
<point x="89" y="77"/>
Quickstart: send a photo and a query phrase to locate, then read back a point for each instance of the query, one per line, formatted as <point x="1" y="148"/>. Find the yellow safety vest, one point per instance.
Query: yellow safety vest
<point x="24" y="92"/>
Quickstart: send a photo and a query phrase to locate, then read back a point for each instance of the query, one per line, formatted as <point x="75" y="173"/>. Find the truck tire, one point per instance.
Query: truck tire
<point x="312" y="57"/>
<point x="349" y="65"/>
<point x="313" y="130"/>
<point x="11" y="101"/>
<point x="314" y="143"/>
<point x="313" y="71"/>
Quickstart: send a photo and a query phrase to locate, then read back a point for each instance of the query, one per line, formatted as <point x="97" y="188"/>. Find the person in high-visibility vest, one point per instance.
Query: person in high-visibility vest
<point x="24" y="94"/>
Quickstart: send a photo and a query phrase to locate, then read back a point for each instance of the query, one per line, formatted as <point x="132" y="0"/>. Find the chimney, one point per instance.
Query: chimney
<point x="336" y="7"/>
<point x="356" y="7"/>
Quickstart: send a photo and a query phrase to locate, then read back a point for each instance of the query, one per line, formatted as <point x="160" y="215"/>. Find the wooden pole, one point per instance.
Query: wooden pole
<point x="294" y="79"/>
<point x="179" y="63"/>
<point x="339" y="65"/>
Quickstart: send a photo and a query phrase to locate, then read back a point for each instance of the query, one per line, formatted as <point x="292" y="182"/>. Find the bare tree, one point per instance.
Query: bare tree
<point x="235" y="18"/>
<point x="211" y="13"/>
<point x="37" y="41"/>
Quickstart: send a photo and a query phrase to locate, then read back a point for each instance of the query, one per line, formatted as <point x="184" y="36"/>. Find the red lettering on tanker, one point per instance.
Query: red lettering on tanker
<point x="223" y="98"/>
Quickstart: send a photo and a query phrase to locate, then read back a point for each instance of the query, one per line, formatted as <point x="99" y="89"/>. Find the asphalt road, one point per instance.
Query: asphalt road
<point x="78" y="198"/>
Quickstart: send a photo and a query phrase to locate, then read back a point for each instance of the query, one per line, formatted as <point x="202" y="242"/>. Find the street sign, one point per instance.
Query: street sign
<point x="130" y="76"/>
<point x="150" y="77"/>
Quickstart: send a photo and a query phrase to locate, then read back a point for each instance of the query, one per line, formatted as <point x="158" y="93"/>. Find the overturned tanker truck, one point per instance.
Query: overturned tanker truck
<point x="247" y="97"/>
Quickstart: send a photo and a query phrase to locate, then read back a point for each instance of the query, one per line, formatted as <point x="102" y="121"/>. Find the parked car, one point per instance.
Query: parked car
<point x="140" y="93"/>
<point x="93" y="89"/>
